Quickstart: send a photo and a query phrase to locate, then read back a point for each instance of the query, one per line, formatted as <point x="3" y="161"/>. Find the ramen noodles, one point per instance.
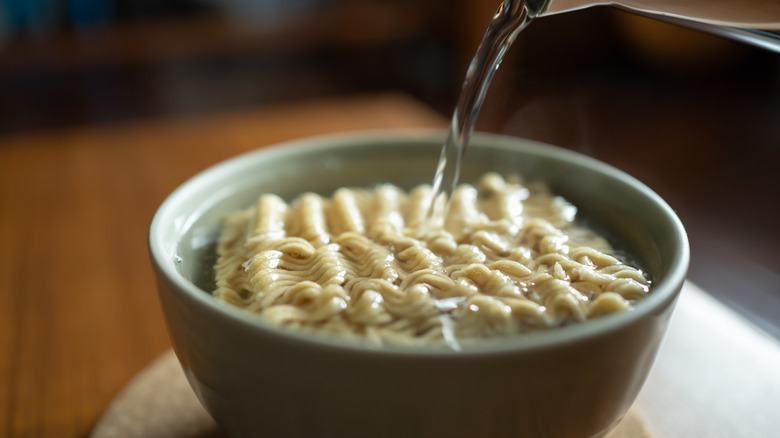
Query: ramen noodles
<point x="506" y="258"/>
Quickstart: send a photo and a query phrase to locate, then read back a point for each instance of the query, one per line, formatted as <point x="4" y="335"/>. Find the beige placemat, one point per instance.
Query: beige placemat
<point x="158" y="403"/>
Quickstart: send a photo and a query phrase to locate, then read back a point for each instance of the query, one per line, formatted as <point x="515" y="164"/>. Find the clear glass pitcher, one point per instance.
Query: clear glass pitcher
<point x="745" y="20"/>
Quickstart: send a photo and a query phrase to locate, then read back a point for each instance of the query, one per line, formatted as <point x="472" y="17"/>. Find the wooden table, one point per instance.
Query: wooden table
<point x="78" y="307"/>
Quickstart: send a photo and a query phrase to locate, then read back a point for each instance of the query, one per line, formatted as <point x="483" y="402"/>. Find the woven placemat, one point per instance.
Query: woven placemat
<point x="159" y="403"/>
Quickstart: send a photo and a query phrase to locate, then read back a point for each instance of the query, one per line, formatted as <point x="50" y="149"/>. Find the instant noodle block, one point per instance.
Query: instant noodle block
<point x="381" y="266"/>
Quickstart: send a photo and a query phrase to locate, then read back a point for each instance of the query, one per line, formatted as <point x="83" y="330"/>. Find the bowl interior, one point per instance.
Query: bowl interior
<point x="635" y="220"/>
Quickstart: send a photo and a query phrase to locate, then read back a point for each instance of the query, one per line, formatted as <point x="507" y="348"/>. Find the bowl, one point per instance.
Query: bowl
<point x="256" y="379"/>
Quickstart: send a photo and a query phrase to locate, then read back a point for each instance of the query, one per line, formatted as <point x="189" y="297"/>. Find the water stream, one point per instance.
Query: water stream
<point x="511" y="17"/>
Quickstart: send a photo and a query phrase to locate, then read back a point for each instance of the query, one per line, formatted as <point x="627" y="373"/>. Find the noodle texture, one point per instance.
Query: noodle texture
<point x="507" y="259"/>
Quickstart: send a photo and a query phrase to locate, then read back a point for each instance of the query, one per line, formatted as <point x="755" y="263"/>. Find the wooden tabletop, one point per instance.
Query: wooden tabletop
<point x="79" y="314"/>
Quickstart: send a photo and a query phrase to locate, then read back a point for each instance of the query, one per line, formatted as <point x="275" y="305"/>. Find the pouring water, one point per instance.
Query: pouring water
<point x="742" y="20"/>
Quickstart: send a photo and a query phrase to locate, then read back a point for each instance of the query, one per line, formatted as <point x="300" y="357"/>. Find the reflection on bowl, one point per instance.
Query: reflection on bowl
<point x="260" y="380"/>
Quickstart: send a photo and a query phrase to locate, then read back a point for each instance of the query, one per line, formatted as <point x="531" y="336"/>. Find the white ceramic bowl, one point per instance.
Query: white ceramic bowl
<point x="259" y="380"/>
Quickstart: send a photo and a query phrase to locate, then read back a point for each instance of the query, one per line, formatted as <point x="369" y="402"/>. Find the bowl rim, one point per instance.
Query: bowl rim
<point x="162" y="258"/>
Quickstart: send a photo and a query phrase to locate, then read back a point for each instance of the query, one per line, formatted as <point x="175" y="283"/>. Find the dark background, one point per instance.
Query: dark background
<point x="694" y="116"/>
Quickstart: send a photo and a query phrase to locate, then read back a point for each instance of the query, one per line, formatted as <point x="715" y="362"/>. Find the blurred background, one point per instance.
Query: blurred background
<point x="694" y="116"/>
